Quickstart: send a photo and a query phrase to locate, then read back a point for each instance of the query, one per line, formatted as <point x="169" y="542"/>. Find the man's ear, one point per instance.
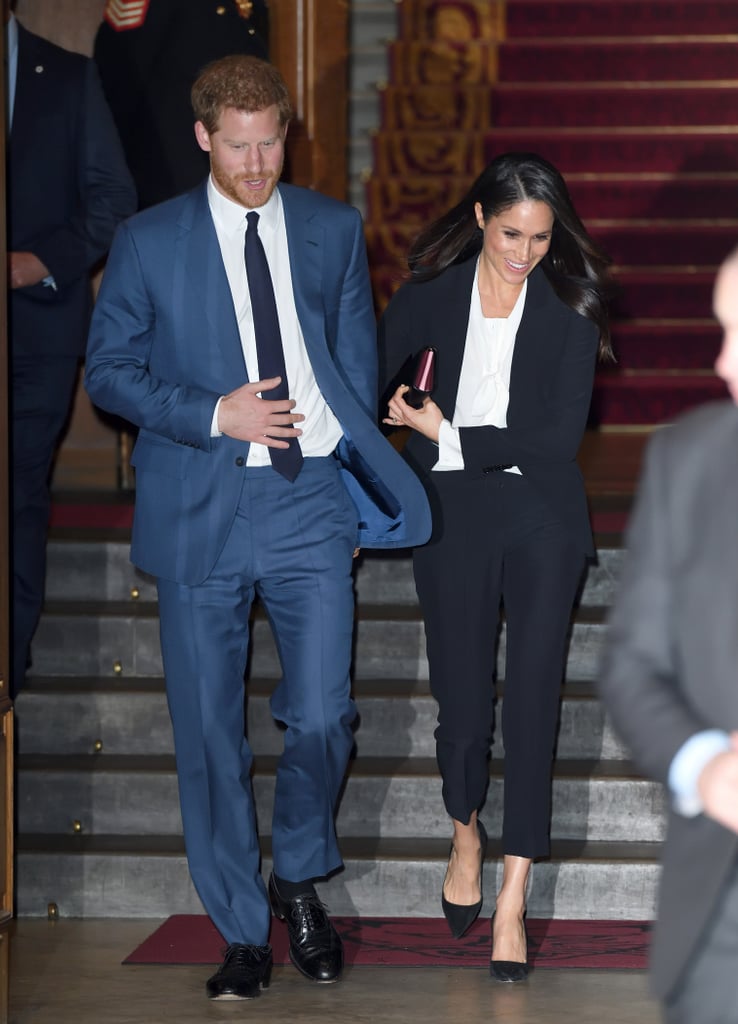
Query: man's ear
<point x="203" y="137"/>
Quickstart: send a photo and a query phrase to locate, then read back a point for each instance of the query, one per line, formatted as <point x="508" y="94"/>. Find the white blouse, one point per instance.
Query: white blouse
<point x="483" y="394"/>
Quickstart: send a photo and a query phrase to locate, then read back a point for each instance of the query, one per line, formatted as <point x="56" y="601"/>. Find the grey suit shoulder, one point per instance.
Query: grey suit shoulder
<point x="712" y="423"/>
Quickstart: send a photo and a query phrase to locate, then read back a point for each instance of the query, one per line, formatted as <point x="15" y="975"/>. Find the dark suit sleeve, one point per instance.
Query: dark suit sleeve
<point x="554" y="432"/>
<point x="639" y="674"/>
<point x="106" y="193"/>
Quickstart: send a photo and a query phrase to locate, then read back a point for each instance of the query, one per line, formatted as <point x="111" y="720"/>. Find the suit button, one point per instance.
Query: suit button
<point x="240" y="460"/>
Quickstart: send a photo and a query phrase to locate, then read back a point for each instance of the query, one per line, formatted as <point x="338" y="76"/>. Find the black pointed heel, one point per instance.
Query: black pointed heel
<point x="509" y="970"/>
<point x="461" y="917"/>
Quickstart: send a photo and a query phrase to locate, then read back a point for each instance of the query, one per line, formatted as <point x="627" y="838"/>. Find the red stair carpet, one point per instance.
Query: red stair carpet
<point x="637" y="104"/>
<point x="417" y="942"/>
<point x="90" y="515"/>
<point x="89" y="518"/>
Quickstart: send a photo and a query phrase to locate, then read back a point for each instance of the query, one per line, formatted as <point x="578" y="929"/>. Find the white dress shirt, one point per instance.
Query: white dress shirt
<point x="321" y="430"/>
<point x="484" y="382"/>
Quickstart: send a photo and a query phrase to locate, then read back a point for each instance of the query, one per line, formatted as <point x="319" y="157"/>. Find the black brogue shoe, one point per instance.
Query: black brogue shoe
<point x="245" y="971"/>
<point x="316" y="949"/>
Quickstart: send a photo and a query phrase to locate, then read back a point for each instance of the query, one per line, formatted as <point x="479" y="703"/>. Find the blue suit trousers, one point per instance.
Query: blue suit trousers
<point x="291" y="544"/>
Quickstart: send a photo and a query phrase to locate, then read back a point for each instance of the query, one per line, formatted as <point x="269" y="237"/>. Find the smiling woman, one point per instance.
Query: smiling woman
<point x="514" y="242"/>
<point x="510" y="290"/>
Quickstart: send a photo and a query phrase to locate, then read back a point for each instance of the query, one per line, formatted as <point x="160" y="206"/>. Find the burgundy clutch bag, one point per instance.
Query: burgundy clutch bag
<point x="423" y="378"/>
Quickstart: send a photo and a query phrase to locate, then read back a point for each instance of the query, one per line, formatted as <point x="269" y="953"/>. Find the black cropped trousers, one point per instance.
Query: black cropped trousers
<point x="495" y="539"/>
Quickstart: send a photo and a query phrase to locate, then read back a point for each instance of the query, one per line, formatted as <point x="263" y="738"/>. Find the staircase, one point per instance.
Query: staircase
<point x="636" y="103"/>
<point x="372" y="25"/>
<point x="99" y="831"/>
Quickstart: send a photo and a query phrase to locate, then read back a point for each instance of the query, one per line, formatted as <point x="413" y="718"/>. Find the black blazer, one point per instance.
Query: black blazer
<point x="68" y="187"/>
<point x="550" y="385"/>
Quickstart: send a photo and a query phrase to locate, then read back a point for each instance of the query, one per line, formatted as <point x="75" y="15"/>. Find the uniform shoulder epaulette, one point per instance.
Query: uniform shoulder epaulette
<point x="124" y="14"/>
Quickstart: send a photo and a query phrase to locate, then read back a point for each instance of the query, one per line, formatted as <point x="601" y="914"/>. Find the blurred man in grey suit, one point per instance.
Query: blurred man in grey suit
<point x="670" y="681"/>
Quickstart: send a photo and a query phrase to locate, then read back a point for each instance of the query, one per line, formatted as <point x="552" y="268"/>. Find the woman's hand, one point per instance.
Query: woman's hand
<point x="426" y="420"/>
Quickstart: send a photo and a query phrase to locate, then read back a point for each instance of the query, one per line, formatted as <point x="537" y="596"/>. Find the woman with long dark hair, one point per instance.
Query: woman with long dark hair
<point x="511" y="291"/>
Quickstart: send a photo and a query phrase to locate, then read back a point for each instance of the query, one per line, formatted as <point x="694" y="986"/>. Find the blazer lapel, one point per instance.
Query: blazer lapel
<point x="453" y="312"/>
<point x="527" y="340"/>
<point x="203" y="284"/>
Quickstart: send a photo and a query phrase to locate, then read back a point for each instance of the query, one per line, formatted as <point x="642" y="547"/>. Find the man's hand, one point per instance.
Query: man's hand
<point x="245" y="416"/>
<point x="25" y="269"/>
<point x="426" y="420"/>
<point x="718" y="787"/>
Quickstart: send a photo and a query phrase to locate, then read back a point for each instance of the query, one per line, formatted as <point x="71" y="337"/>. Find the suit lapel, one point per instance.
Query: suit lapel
<point x="717" y="532"/>
<point x="204" y="283"/>
<point x="527" y="340"/>
<point x="306" y="245"/>
<point x="31" y="79"/>
<point x="453" y="313"/>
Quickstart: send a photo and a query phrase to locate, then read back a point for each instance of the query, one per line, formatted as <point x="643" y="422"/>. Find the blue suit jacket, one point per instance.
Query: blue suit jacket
<point x="68" y="188"/>
<point x="164" y="346"/>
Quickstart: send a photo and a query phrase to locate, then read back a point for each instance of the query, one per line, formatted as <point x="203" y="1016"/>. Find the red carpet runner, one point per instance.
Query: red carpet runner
<point x="110" y="516"/>
<point x="417" y="942"/>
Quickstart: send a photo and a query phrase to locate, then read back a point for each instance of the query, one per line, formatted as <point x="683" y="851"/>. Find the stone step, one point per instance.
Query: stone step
<point x="369" y="67"/>
<point x="360" y="158"/>
<point x="127" y="876"/>
<point x="389" y="797"/>
<point x="122" y="638"/>
<point x="79" y="570"/>
<point x="365" y="112"/>
<point x="396" y="717"/>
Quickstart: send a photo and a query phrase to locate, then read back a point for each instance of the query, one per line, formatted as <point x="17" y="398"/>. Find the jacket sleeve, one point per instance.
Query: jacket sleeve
<point x="118" y="375"/>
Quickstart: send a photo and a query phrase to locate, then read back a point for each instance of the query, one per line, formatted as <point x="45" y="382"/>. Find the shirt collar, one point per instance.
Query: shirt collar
<point x="232" y="216"/>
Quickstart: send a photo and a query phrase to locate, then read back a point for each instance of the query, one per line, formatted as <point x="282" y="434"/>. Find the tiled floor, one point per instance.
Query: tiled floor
<point x="70" y="971"/>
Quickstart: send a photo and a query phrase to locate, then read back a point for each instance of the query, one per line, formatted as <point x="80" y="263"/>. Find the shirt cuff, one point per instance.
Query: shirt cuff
<point x="687" y="765"/>
<point x="214" y="432"/>
<point x="449" y="448"/>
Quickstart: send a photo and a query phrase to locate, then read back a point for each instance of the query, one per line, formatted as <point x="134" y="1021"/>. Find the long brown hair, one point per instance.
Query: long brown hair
<point x="575" y="265"/>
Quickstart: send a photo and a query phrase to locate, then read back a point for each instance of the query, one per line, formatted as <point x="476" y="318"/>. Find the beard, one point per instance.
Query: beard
<point x="235" y="186"/>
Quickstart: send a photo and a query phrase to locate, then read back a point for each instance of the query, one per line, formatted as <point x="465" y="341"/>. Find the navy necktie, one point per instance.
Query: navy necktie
<point x="287" y="461"/>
